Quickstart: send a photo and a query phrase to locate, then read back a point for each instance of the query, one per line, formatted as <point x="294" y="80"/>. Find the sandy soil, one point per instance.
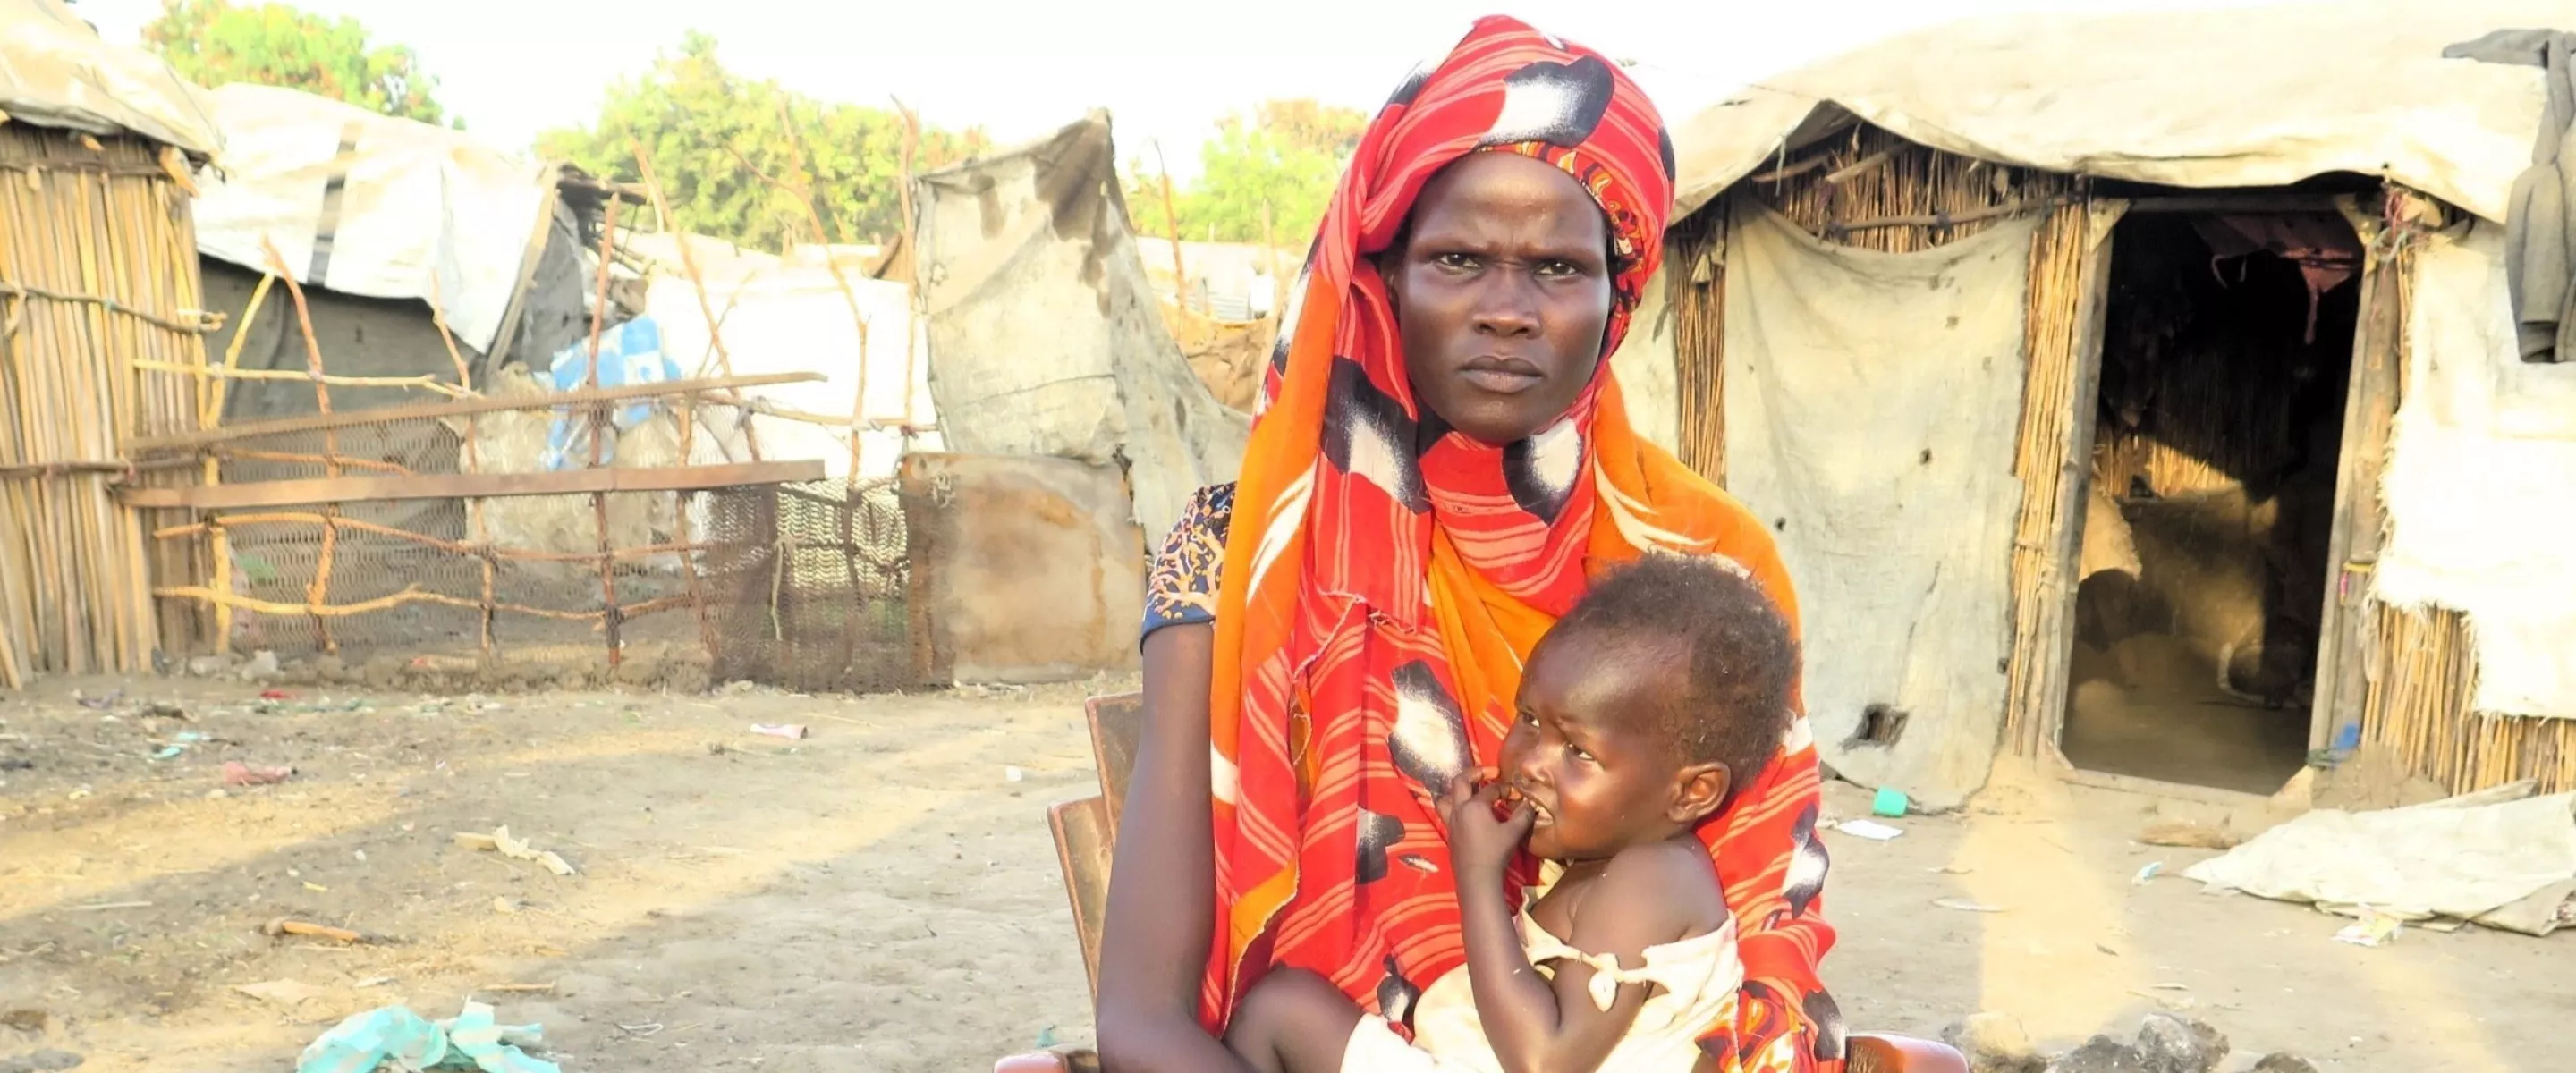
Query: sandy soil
<point x="883" y="895"/>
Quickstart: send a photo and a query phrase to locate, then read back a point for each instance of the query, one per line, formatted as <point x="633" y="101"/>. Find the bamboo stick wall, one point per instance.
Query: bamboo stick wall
<point x="98" y="271"/>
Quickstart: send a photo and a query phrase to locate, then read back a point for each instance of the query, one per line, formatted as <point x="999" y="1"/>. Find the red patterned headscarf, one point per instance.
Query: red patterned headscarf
<point x="1385" y="577"/>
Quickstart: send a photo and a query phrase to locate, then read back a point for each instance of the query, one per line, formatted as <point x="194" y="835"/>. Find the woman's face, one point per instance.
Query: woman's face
<point x="1502" y="294"/>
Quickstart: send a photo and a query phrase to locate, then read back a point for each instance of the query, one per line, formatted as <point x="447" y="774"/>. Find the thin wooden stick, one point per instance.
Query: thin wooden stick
<point x="316" y="593"/>
<point x="600" y="428"/>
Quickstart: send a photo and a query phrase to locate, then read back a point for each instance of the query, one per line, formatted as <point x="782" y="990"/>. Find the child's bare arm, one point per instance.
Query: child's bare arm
<point x="1536" y="1026"/>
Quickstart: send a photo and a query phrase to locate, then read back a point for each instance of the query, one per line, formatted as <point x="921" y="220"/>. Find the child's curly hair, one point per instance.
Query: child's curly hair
<point x="1743" y="671"/>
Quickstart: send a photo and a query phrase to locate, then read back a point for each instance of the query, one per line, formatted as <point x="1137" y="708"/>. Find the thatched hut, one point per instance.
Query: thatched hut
<point x="2141" y="393"/>
<point x="98" y="292"/>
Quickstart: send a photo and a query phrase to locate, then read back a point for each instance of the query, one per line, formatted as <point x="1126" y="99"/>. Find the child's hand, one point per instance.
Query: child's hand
<point x="1480" y="843"/>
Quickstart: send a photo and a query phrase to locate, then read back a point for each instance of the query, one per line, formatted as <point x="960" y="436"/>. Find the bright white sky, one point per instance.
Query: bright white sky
<point x="1166" y="69"/>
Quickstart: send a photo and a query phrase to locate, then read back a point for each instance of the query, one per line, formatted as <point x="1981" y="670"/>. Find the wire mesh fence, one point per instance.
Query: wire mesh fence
<point x="326" y="540"/>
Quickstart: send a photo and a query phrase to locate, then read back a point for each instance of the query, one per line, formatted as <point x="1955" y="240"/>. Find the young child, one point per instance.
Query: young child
<point x="1666" y="687"/>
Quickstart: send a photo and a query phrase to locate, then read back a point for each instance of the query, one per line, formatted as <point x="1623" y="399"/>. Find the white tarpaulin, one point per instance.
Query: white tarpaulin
<point x="791" y="317"/>
<point x="2479" y="481"/>
<point x="370" y="205"/>
<point x="2257" y="97"/>
<point x="2486" y="857"/>
<point x="1871" y="406"/>
<point x="1045" y="338"/>
<point x="55" y="72"/>
<point x="1648" y="370"/>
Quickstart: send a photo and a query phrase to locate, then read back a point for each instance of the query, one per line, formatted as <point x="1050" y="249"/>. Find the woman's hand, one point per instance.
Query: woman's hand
<point x="1481" y="844"/>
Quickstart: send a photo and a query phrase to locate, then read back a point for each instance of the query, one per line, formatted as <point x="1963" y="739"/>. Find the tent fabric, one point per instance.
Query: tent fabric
<point x="2484" y="452"/>
<point x="56" y="72"/>
<point x="1648" y="368"/>
<point x="1883" y="447"/>
<point x="2541" y="245"/>
<point x="1044" y="334"/>
<point x="789" y="315"/>
<point x="371" y="205"/>
<point x="2263" y="97"/>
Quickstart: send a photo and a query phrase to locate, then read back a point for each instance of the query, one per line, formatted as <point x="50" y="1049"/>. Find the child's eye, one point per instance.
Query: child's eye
<point x="1578" y="752"/>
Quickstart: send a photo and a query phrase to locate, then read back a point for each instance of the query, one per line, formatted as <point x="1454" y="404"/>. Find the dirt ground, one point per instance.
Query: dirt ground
<point x="882" y="895"/>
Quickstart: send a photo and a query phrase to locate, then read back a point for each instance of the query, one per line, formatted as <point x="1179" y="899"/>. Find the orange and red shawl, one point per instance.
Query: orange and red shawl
<point x="1382" y="583"/>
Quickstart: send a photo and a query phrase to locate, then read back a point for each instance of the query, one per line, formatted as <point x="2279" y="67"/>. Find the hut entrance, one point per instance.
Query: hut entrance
<point x="2225" y="356"/>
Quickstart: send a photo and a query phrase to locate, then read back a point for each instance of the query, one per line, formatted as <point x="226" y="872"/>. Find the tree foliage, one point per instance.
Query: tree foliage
<point x="1287" y="154"/>
<point x="745" y="159"/>
<point x="212" y="42"/>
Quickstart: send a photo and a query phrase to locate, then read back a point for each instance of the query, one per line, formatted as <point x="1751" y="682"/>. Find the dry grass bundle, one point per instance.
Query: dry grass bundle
<point x="98" y="278"/>
<point x="2423" y="676"/>
<point x="1695" y="275"/>
<point x="1873" y="190"/>
<point x="2045" y="461"/>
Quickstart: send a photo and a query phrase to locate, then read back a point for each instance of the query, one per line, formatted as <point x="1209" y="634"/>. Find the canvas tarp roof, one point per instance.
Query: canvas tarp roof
<point x="56" y="72"/>
<point x="2256" y="97"/>
<point x="1046" y="339"/>
<point x="371" y="205"/>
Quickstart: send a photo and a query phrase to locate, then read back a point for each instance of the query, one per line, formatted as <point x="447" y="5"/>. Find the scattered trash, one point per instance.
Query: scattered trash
<point x="2183" y="835"/>
<point x="275" y="694"/>
<point x="373" y="981"/>
<point x="237" y="773"/>
<point x="2147" y="874"/>
<point x="98" y="704"/>
<point x="506" y="905"/>
<point x="1013" y="774"/>
<point x="518" y="989"/>
<point x="499" y="841"/>
<point x="101" y="907"/>
<point x="1951" y="870"/>
<point x="397" y="1035"/>
<point x="262" y="666"/>
<point x="1890" y="802"/>
<point x="1965" y="906"/>
<point x="2374" y="929"/>
<point x="790" y="731"/>
<point x="287" y="993"/>
<point x="1874" y="831"/>
<point x="282" y="927"/>
<point x="1046" y="1037"/>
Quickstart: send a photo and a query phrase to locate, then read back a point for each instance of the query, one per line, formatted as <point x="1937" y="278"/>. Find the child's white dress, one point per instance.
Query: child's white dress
<point x="1696" y="981"/>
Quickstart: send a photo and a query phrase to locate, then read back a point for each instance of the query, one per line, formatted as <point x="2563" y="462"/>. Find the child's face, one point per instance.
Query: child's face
<point x="1584" y="751"/>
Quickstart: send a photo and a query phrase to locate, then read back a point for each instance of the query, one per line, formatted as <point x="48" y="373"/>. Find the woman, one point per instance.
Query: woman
<point x="1440" y="463"/>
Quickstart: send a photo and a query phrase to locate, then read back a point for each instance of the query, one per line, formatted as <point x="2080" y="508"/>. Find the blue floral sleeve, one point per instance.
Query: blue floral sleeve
<point x="1182" y="586"/>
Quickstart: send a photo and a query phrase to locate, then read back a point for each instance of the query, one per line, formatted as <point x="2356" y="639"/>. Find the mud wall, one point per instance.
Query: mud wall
<point x="1025" y="569"/>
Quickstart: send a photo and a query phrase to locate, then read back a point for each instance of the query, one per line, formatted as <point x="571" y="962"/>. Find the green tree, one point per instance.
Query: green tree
<point x="212" y="42"/>
<point x="1286" y="154"/>
<point x="752" y="162"/>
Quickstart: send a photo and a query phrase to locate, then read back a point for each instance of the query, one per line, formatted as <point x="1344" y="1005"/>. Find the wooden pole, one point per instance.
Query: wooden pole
<point x="1172" y="230"/>
<point x="698" y="283"/>
<point x="317" y="593"/>
<point x="1270" y="261"/>
<point x="911" y="255"/>
<point x="600" y="428"/>
<point x="473" y="463"/>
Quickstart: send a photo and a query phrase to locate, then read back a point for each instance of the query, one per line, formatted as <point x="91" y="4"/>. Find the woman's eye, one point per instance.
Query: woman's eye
<point x="1455" y="260"/>
<point x="1559" y="268"/>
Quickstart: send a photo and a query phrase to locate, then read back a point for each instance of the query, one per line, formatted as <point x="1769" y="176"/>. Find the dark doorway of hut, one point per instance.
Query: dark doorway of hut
<point x="2227" y="348"/>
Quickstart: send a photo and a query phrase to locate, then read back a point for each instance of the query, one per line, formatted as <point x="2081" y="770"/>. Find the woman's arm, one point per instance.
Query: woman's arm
<point x="1162" y="878"/>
